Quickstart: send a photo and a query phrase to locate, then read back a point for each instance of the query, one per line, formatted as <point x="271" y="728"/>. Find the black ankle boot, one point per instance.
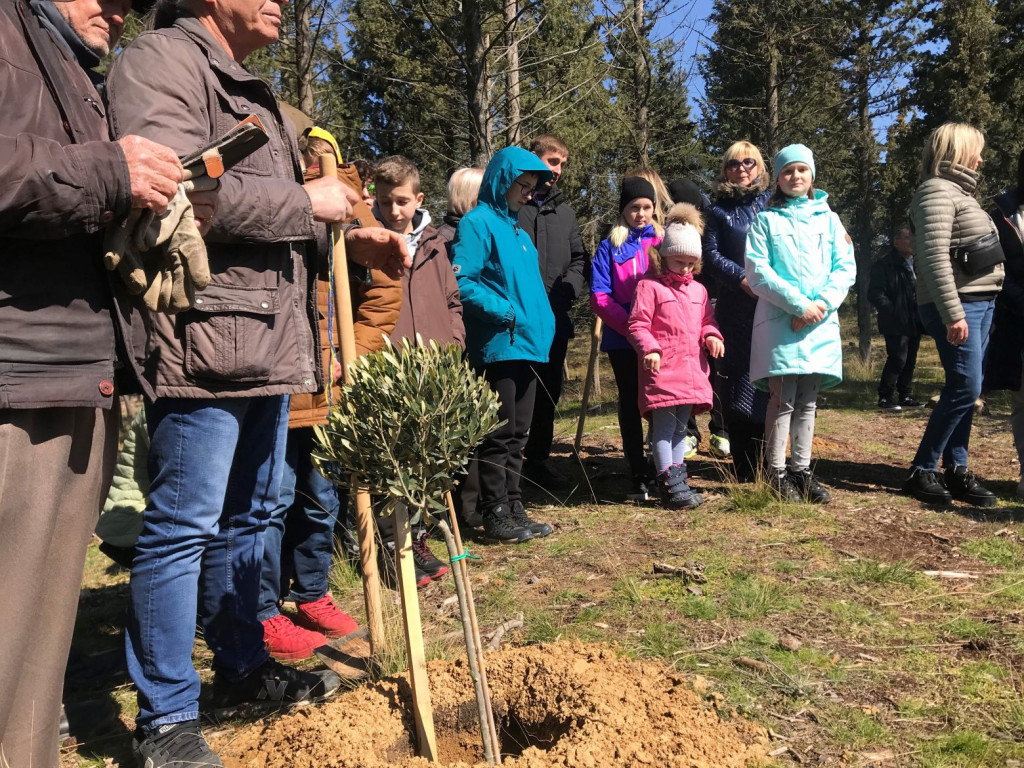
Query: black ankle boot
<point x="964" y="486"/>
<point x="926" y="486"/>
<point x="809" y="487"/>
<point x="784" y="486"/>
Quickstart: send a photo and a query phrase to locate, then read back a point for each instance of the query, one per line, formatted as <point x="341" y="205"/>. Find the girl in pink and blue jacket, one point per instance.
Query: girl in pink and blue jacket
<point x="671" y="325"/>
<point x="621" y="260"/>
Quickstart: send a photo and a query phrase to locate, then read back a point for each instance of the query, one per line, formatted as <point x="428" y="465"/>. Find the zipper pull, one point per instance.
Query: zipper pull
<point x="512" y="333"/>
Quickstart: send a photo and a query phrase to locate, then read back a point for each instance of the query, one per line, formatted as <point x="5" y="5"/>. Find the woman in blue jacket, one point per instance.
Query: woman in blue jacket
<point x="509" y="327"/>
<point x="739" y="194"/>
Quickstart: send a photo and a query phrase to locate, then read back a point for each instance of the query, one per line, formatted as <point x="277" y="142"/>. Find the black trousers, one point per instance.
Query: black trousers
<point x="499" y="458"/>
<point x="627" y="372"/>
<point x="746" y="442"/>
<point x="549" y="390"/>
<point x="898" y="372"/>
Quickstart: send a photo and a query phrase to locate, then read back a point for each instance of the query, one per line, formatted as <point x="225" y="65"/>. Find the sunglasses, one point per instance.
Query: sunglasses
<point x="746" y="162"/>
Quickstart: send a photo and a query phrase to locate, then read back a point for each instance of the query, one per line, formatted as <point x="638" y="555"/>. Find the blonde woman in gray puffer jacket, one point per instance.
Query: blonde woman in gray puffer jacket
<point x="959" y="268"/>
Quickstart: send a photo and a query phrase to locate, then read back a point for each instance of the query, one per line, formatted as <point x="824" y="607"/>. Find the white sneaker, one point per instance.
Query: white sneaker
<point x="720" y="447"/>
<point x="691" y="446"/>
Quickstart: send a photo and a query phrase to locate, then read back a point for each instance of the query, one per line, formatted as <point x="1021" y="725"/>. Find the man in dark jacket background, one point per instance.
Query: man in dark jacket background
<point x="553" y="227"/>
<point x="893" y="292"/>
<point x="62" y="181"/>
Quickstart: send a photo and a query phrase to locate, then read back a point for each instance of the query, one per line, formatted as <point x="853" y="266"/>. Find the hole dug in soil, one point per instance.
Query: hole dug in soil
<point x="556" y="704"/>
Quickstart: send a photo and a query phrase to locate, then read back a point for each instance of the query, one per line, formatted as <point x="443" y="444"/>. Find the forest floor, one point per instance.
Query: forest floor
<point x="826" y="627"/>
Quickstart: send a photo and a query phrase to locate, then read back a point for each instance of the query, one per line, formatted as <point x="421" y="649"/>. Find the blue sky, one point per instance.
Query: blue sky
<point x="686" y="22"/>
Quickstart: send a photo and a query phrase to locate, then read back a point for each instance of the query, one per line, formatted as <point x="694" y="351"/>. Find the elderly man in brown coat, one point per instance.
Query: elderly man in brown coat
<point x="222" y="374"/>
<point x="62" y="181"/>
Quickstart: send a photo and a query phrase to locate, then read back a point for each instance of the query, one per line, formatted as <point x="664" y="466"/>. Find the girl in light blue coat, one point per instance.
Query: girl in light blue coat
<point x="799" y="262"/>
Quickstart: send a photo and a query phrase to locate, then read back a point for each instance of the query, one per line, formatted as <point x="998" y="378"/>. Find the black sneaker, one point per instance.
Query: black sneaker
<point x="908" y="402"/>
<point x="891" y="406"/>
<point x="784" y="487"/>
<point x="424" y="559"/>
<point x="964" y="486"/>
<point x="500" y="526"/>
<point x="809" y="487"/>
<point x="925" y="486"/>
<point x="177" y="745"/>
<point x="523" y="520"/>
<point x="388" y="571"/>
<point x="640" y="489"/>
<point x="271" y="686"/>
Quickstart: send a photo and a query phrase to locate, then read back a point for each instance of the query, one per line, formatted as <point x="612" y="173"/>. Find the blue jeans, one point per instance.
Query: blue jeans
<point x="215" y="468"/>
<point x="948" y="433"/>
<point x="299" y="540"/>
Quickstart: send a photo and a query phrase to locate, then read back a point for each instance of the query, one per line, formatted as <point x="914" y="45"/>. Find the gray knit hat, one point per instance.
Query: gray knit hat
<point x="681" y="240"/>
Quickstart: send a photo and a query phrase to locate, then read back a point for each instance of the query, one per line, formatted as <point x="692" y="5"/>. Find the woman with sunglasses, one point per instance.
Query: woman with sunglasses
<point x="738" y="195"/>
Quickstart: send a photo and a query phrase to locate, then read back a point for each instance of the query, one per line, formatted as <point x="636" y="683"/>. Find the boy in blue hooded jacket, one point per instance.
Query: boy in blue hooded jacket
<point x="509" y="327"/>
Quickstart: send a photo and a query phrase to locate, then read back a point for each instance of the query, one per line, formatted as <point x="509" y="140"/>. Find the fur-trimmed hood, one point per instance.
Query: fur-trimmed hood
<point x="723" y="189"/>
<point x="685" y="213"/>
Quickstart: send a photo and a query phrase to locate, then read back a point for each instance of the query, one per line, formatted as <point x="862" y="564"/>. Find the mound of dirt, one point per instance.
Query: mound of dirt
<point x="556" y="704"/>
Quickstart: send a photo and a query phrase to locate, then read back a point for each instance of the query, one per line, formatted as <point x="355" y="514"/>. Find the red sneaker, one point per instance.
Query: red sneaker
<point x="287" y="642"/>
<point x="324" y="616"/>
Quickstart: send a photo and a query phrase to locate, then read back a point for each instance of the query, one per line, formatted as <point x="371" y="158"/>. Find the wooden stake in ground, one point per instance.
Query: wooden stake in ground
<point x="474" y="645"/>
<point x="365" y="526"/>
<point x="423" y="713"/>
<point x="589" y="383"/>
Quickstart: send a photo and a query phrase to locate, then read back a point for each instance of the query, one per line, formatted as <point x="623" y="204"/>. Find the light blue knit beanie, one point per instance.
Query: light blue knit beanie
<point x="794" y="153"/>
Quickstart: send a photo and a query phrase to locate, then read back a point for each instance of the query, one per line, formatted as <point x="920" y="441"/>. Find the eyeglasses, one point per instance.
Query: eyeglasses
<point x="525" y="188"/>
<point x="746" y="162"/>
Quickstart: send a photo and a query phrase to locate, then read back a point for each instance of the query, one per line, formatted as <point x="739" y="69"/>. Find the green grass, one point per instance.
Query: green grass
<point x="996" y="551"/>
<point x="872" y="572"/>
<point x="750" y="597"/>
<point x="855" y="729"/>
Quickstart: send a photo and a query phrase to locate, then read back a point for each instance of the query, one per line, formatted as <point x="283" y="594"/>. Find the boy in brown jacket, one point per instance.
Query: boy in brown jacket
<point x="431" y="309"/>
<point x="299" y="540"/>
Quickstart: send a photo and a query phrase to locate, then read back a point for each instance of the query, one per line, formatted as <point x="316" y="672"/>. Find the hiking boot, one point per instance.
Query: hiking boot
<point x="175" y="745"/>
<point x="720" y="447"/>
<point x="784" y="487"/>
<point x="675" y="493"/>
<point x="500" y="526"/>
<point x="424" y="559"/>
<point x="690" y="443"/>
<point x="388" y="571"/>
<point x="324" y="616"/>
<point x="520" y="518"/>
<point x="908" y="402"/>
<point x="891" y="406"/>
<point x="288" y="642"/>
<point x="809" y="487"/>
<point x="272" y="685"/>
<point x="925" y="486"/>
<point x="542" y="474"/>
<point x="962" y="485"/>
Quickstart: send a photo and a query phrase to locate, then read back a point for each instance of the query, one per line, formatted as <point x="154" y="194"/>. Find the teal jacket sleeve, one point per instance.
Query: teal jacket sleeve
<point x="761" y="275"/>
<point x="844" y="267"/>
<point x="481" y="298"/>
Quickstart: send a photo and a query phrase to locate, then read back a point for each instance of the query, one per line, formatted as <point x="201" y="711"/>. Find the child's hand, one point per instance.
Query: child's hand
<point x="652" y="362"/>
<point x="715" y="346"/>
<point x="797" y="323"/>
<point x="813" y="314"/>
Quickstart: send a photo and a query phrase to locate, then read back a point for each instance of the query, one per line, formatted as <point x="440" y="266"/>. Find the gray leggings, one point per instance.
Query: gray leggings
<point x="668" y="435"/>
<point x="790" y="415"/>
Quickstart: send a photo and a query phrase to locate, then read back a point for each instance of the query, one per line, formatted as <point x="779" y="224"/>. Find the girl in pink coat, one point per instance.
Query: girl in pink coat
<point x="671" y="324"/>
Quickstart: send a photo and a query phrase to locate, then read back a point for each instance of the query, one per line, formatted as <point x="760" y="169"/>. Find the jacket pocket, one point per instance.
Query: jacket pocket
<point x="229" y="334"/>
<point x="235" y="109"/>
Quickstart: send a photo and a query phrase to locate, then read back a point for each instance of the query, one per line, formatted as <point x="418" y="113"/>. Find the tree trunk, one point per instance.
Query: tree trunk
<point x="476" y="83"/>
<point x="512" y="117"/>
<point x="641" y="84"/>
<point x="304" y="59"/>
<point x="863" y="218"/>
<point x="772" y="92"/>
